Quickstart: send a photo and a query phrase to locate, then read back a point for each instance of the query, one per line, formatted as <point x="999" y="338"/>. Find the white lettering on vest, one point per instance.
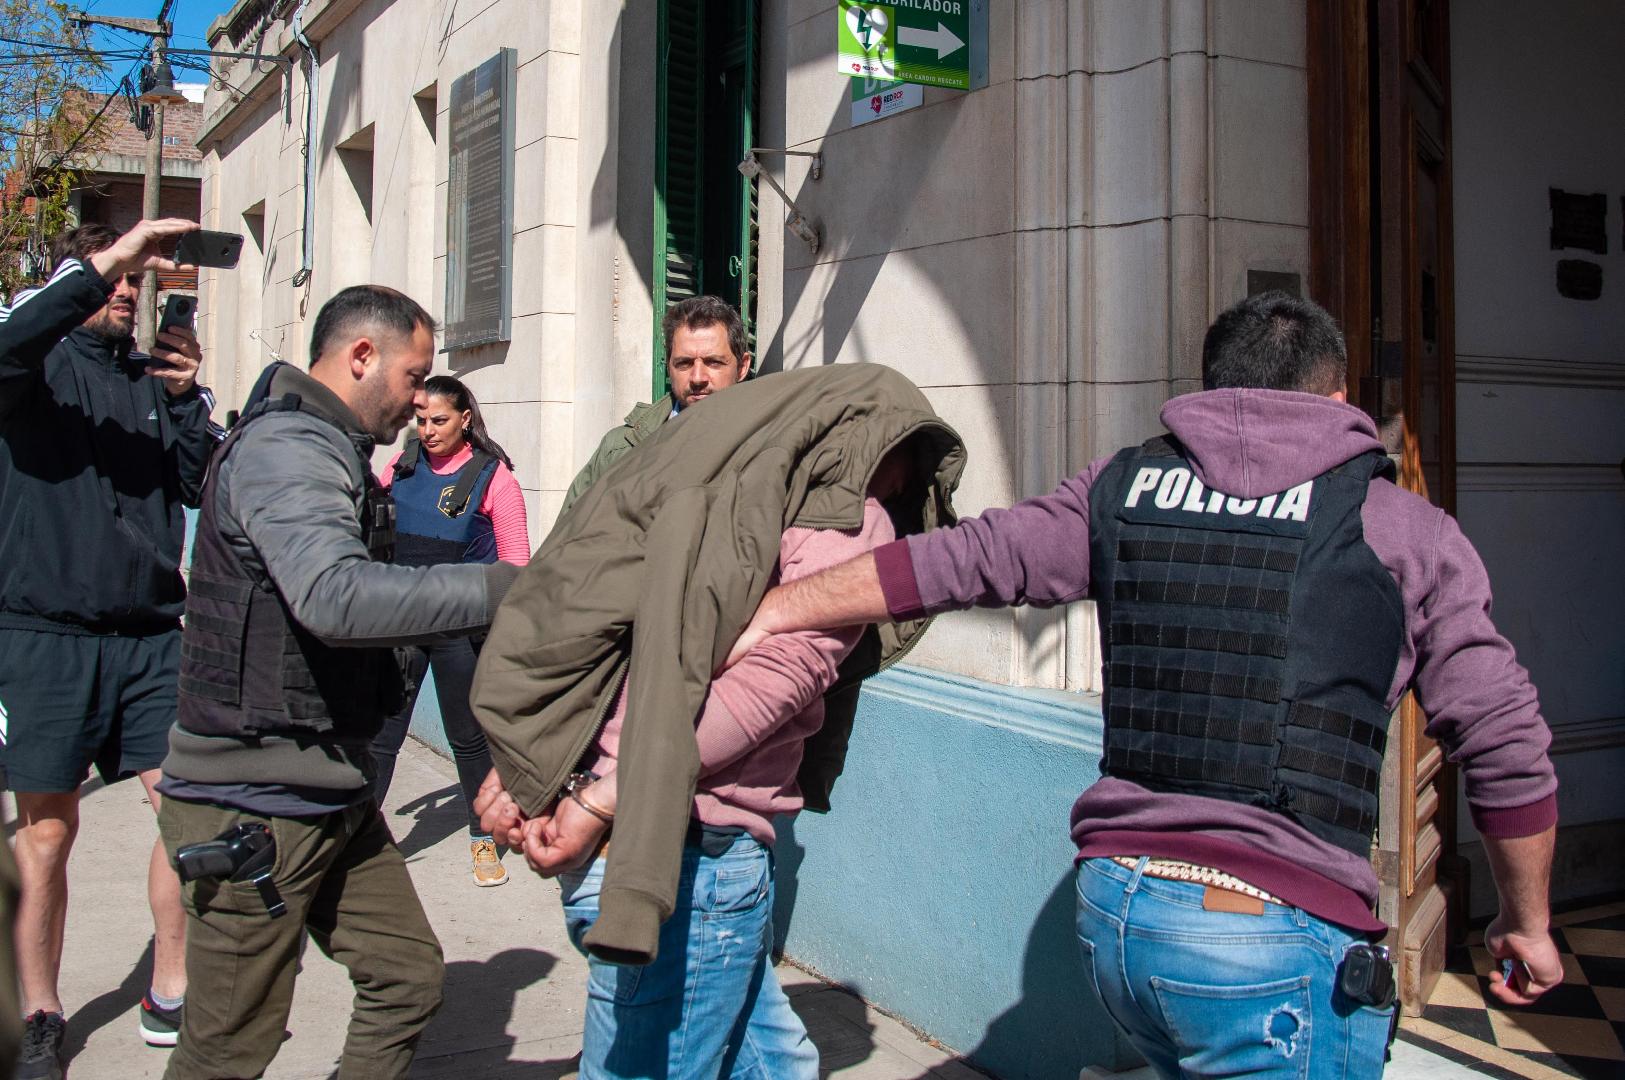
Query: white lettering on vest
<point x="1144" y="481"/>
<point x="1178" y="488"/>
<point x="1173" y="488"/>
<point x="1240" y="507"/>
<point x="1295" y="504"/>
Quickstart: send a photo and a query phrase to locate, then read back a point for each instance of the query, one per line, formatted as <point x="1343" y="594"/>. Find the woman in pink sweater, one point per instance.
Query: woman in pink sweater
<point x="456" y="500"/>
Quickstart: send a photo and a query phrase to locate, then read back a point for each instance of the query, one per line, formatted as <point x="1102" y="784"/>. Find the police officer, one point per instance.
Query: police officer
<point x="1265" y="595"/>
<point x="287" y="673"/>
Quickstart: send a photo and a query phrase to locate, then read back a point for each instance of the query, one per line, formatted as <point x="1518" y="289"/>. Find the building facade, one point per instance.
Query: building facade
<point x="1042" y="255"/>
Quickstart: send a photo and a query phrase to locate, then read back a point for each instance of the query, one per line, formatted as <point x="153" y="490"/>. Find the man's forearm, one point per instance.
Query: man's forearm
<point x="845" y="595"/>
<point x="1522" y="867"/>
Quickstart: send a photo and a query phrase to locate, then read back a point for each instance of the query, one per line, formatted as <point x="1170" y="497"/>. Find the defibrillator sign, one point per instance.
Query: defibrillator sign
<point x="928" y="42"/>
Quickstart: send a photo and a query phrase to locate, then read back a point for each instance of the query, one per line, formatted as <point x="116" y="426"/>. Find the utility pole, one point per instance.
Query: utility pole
<point x="152" y="188"/>
<point x="156" y="91"/>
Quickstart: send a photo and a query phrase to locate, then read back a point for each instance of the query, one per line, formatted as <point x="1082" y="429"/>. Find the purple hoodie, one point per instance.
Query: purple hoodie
<point x="1251" y="443"/>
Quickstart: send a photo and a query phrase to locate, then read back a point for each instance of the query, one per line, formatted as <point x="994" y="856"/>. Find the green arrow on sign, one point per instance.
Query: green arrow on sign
<point x="942" y="39"/>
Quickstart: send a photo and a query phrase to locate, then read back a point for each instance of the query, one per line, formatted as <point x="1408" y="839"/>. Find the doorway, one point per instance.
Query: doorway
<point x="1381" y="251"/>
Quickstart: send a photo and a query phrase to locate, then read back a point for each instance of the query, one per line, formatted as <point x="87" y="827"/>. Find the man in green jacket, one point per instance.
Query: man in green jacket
<point x="706" y="351"/>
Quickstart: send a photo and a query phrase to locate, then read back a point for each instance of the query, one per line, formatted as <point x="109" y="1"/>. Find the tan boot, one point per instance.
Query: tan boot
<point x="488" y="869"/>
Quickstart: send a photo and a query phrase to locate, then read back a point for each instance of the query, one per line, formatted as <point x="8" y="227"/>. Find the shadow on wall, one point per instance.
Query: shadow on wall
<point x="852" y="272"/>
<point x="1052" y="972"/>
<point x="1057" y="994"/>
<point x="936" y="892"/>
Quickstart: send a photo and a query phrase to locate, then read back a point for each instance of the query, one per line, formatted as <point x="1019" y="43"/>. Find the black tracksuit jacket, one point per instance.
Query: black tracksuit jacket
<point x="96" y="462"/>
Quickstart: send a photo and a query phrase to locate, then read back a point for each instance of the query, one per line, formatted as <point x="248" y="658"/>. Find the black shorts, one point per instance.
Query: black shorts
<point x="70" y="701"/>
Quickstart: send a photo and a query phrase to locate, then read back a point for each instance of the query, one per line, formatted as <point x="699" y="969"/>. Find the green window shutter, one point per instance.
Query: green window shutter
<point x="679" y="146"/>
<point x="748" y="236"/>
<point x="707" y="88"/>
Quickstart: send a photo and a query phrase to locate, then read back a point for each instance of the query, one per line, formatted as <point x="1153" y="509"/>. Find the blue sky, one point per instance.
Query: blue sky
<point x="189" y="17"/>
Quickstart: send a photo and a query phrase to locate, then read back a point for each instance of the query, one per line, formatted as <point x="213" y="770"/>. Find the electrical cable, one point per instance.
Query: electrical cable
<point x="189" y="65"/>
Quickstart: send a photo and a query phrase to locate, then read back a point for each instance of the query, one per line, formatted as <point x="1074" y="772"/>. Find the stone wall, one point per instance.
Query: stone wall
<point x="386" y="74"/>
<point x="1044" y="255"/>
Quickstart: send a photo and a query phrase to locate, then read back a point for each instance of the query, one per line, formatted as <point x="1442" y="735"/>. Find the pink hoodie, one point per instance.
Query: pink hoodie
<point x="761" y="710"/>
<point x="1251" y="443"/>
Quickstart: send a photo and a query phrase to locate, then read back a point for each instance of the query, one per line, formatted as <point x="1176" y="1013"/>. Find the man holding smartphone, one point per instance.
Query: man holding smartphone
<point x="100" y="448"/>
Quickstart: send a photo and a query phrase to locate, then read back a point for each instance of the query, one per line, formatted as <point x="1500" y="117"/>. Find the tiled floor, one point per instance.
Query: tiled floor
<point x="1575" y="1030"/>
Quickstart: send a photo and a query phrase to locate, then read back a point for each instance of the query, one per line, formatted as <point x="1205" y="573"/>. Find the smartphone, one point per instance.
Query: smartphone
<point x="178" y="312"/>
<point x="205" y="247"/>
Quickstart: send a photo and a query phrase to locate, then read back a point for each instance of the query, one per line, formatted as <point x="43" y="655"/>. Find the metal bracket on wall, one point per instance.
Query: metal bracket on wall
<point x="798" y="222"/>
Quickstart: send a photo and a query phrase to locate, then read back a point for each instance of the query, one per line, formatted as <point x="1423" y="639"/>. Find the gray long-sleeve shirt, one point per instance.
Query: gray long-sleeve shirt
<point x="288" y="497"/>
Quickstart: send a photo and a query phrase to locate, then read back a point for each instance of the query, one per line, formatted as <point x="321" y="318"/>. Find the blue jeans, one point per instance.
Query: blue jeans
<point x="710" y="1005"/>
<point x="1211" y="993"/>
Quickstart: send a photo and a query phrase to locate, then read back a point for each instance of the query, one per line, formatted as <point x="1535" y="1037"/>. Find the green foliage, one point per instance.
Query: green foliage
<point x="48" y="126"/>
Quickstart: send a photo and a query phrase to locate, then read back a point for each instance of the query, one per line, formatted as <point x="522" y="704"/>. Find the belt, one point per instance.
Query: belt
<point x="710" y="840"/>
<point x="1174" y="870"/>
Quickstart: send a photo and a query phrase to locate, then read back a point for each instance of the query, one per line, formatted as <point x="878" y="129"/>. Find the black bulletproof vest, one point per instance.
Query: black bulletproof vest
<point x="1249" y="643"/>
<point x="247" y="667"/>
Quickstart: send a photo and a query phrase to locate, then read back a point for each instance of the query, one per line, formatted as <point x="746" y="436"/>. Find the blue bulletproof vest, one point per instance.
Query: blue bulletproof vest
<point x="437" y="518"/>
<point x="1249" y="644"/>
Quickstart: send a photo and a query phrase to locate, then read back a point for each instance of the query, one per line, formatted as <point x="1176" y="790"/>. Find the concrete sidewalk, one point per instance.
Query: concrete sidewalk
<point x="514" y="987"/>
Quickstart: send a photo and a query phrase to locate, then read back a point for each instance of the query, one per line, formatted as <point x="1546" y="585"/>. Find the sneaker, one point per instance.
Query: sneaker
<point x="487" y="865"/>
<point x="160" y="1027"/>
<point x="41" y="1055"/>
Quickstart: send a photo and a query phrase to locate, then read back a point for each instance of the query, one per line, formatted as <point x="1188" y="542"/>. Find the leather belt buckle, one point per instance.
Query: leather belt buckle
<point x="1217" y="899"/>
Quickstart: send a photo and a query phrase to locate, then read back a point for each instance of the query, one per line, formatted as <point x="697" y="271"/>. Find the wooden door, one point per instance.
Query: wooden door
<point x="1381" y="249"/>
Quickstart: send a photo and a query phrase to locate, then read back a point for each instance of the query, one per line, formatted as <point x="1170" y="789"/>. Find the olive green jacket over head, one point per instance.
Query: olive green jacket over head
<point x="644" y="420"/>
<point x="660" y="565"/>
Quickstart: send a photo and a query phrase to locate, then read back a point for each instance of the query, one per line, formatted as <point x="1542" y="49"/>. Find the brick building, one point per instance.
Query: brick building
<point x="110" y="190"/>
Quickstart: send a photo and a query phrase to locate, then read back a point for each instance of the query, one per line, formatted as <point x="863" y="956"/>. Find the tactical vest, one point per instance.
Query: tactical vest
<point x="437" y="518"/>
<point x="1249" y="644"/>
<point x="247" y="667"/>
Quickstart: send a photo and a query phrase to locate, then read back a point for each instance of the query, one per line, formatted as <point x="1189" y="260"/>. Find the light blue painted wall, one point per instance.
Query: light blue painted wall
<point x="426" y="726"/>
<point x="940" y="887"/>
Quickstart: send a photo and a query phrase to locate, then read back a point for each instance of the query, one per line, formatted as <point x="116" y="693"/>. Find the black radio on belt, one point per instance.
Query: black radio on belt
<point x="1367" y="975"/>
<point x="244" y="852"/>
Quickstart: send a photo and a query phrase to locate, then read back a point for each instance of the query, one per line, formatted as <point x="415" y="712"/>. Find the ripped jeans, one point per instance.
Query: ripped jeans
<point x="1211" y="993"/>
<point x="710" y="1005"/>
